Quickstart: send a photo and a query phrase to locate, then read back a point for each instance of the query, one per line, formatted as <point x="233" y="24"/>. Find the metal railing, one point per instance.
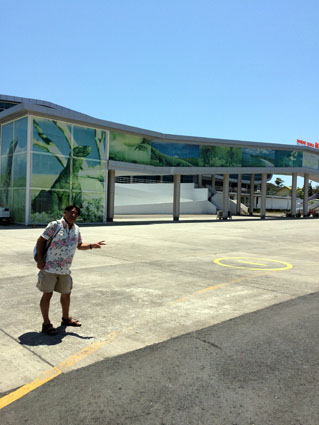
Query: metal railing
<point x="131" y="180"/>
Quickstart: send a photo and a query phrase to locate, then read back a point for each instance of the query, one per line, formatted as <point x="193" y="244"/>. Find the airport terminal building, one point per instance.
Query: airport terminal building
<point x="52" y="156"/>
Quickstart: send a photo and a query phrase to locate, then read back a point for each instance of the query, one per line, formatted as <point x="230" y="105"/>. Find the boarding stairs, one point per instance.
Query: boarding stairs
<point x="216" y="198"/>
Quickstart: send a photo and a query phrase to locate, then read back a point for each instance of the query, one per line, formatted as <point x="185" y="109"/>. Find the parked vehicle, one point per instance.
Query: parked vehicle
<point x="220" y="215"/>
<point x="5" y="217"/>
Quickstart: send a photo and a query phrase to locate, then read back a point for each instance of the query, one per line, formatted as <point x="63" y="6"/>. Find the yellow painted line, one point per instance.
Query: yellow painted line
<point x="212" y="288"/>
<point x="221" y="262"/>
<point x="57" y="370"/>
<point x="86" y="351"/>
<point x="25" y="389"/>
<point x="250" y="262"/>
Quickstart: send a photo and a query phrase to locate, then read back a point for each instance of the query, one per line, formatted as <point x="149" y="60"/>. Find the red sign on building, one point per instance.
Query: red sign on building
<point x="311" y="145"/>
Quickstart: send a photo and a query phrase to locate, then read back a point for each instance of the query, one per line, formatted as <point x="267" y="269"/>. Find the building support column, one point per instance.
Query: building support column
<point x="225" y="196"/>
<point x="110" y="195"/>
<point x="252" y="191"/>
<point x="28" y="174"/>
<point x="293" y="195"/>
<point x="213" y="182"/>
<point x="200" y="180"/>
<point x="263" y="196"/>
<point x="305" y="197"/>
<point x="238" y="207"/>
<point x="177" y="197"/>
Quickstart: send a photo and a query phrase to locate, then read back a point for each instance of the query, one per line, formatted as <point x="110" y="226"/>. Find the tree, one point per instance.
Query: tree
<point x="271" y="189"/>
<point x="300" y="192"/>
<point x="279" y="182"/>
<point x="310" y="189"/>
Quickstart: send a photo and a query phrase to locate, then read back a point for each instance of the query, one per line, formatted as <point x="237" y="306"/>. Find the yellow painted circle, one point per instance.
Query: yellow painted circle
<point x="252" y="262"/>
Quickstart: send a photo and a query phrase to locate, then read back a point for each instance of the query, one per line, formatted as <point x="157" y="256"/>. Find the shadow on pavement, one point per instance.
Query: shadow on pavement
<point x="38" y="338"/>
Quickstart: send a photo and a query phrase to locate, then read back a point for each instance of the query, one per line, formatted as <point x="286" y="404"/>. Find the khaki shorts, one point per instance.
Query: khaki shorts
<point x="49" y="282"/>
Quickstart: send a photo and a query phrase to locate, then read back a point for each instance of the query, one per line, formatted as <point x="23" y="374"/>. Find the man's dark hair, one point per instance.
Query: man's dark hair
<point x="70" y="208"/>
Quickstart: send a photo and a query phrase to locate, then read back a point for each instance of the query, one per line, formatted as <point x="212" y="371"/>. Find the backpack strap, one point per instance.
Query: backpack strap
<point x="57" y="229"/>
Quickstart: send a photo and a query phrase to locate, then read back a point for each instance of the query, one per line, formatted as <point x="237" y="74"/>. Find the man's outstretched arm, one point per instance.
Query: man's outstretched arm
<point x="85" y="246"/>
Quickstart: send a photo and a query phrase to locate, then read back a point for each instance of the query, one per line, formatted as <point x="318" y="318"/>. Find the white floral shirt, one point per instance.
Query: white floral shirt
<point x="62" y="248"/>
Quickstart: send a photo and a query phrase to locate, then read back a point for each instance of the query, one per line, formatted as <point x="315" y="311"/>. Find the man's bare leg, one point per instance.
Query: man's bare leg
<point x="45" y="306"/>
<point x="66" y="319"/>
<point x="65" y="303"/>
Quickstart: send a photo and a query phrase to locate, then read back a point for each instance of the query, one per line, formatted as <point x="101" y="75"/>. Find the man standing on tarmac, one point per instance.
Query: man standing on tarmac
<point x="55" y="274"/>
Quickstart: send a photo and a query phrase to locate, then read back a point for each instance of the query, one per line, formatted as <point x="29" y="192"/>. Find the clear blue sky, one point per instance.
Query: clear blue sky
<point x="232" y="69"/>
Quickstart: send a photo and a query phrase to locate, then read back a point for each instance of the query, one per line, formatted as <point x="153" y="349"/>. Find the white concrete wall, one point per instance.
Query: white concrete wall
<point x="277" y="203"/>
<point x="157" y="198"/>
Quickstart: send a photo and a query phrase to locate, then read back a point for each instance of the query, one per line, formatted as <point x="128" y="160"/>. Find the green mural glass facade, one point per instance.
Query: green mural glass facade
<point x="68" y="166"/>
<point x="310" y="161"/>
<point x="134" y="149"/>
<point x="13" y="168"/>
<point x="128" y="148"/>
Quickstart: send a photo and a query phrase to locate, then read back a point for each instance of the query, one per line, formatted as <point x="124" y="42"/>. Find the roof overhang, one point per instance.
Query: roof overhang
<point x="51" y="111"/>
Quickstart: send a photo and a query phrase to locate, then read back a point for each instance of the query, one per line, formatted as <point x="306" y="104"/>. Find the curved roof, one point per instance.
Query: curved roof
<point x="23" y="105"/>
<point x="19" y="106"/>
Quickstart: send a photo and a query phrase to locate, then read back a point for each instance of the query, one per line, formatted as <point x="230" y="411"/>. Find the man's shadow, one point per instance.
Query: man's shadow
<point x="39" y="338"/>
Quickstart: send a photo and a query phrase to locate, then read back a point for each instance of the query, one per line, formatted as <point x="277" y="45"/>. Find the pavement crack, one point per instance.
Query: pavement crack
<point x="209" y="343"/>
<point x="27" y="348"/>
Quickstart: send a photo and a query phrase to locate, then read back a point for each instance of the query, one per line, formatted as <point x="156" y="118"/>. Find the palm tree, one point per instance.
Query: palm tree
<point x="279" y="182"/>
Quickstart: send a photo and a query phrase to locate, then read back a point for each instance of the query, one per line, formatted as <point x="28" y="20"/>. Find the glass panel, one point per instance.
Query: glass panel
<point x="19" y="170"/>
<point x="101" y="138"/>
<point x="219" y="156"/>
<point x="51" y="136"/>
<point x="174" y="154"/>
<point x="6" y="171"/>
<point x="82" y="167"/>
<point x="258" y="157"/>
<point x="288" y="158"/>
<point x="48" y="205"/>
<point x="91" y="177"/>
<point x="50" y="171"/>
<point x="18" y="210"/>
<point x="21" y="134"/>
<point x="310" y="160"/>
<point x="91" y="204"/>
<point x="7" y="141"/>
<point x="50" y="200"/>
<point x="128" y="148"/>
<point x="49" y="174"/>
<point x="5" y="197"/>
<point x="89" y="143"/>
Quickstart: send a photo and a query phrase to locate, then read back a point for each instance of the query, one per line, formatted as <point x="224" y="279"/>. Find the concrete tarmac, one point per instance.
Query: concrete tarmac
<point x="261" y="368"/>
<point x="176" y="289"/>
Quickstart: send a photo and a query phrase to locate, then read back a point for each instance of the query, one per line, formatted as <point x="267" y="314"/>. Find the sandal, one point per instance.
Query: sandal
<point x="49" y="329"/>
<point x="70" y="322"/>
